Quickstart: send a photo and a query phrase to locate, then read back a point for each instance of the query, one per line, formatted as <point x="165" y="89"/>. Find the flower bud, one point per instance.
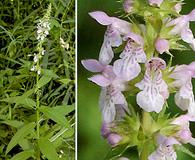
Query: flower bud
<point x="162" y="45"/>
<point x="155" y="2"/>
<point x="105" y="130"/>
<point x="128" y="6"/>
<point x="114" y="139"/>
<point x="178" y="7"/>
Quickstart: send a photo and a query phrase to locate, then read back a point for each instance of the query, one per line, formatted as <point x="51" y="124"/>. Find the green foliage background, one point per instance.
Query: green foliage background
<point x="18" y="139"/>
<point x="90" y="37"/>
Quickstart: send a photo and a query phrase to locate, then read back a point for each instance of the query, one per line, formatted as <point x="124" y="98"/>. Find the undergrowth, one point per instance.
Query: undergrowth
<point x="19" y="139"/>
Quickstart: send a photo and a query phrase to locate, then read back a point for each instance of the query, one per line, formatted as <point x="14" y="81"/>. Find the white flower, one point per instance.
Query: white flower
<point x="154" y="90"/>
<point x="43" y="29"/>
<point x="36" y="58"/>
<point x="33" y="68"/>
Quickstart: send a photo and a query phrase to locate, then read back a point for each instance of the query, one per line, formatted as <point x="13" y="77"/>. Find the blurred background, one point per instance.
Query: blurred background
<point x="90" y="37"/>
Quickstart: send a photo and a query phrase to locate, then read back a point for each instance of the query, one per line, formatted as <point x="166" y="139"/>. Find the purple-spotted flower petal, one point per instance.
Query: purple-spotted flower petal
<point x="184" y="98"/>
<point x="165" y="150"/>
<point x="162" y="45"/>
<point x="184" y="134"/>
<point x="155" y="2"/>
<point x="128" y="66"/>
<point x="154" y="90"/>
<point x="112" y="38"/>
<point x="112" y="102"/>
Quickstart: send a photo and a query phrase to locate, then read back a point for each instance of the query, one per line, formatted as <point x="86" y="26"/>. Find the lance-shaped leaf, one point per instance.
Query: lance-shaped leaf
<point x="58" y="113"/>
<point x="23" y="155"/>
<point x="20" y="134"/>
<point x="48" y="149"/>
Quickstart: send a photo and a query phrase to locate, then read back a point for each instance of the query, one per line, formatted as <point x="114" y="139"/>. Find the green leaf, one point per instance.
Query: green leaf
<point x="50" y="73"/>
<point x="65" y="81"/>
<point x="20" y="100"/>
<point x="116" y="152"/>
<point x="57" y="114"/>
<point x="23" y="155"/>
<point x="47" y="149"/>
<point x="185" y="150"/>
<point x="43" y="81"/>
<point x="13" y="123"/>
<point x="20" y="134"/>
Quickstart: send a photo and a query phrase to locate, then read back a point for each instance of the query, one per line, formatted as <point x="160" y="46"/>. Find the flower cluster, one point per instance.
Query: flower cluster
<point x="43" y="28"/>
<point x="139" y="67"/>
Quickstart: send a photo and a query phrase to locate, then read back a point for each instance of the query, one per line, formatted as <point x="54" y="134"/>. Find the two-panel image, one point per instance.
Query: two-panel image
<point x="97" y="80"/>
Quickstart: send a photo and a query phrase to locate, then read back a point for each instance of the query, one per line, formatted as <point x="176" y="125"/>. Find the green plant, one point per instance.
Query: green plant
<point x="37" y="110"/>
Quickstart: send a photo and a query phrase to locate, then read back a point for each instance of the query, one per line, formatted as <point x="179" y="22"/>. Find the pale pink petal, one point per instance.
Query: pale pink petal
<point x="150" y="101"/>
<point x="93" y="65"/>
<point x="192" y="15"/>
<point x="112" y="38"/>
<point x="126" y="68"/>
<point x="100" y="80"/>
<point x="162" y="45"/>
<point x="180" y="23"/>
<point x="154" y="90"/>
<point x="155" y="2"/>
<point x="107" y="106"/>
<point x="106" y="53"/>
<point x="192" y="45"/>
<point x="187" y="35"/>
<point x="123" y="158"/>
<point x="122" y="26"/>
<point x="165" y="150"/>
<point x="101" y="17"/>
<point x="135" y="37"/>
<point x="140" y="55"/>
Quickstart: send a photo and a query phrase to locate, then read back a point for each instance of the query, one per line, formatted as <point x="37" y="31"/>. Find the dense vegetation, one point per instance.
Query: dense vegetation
<point x="37" y="110"/>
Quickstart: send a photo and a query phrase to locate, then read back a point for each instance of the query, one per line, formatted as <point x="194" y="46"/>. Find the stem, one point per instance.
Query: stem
<point x="38" y="116"/>
<point x="144" y="153"/>
<point x="10" y="112"/>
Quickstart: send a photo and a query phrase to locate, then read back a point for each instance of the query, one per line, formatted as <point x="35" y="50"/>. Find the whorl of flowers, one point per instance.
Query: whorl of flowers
<point x="43" y="28"/>
<point x="139" y="74"/>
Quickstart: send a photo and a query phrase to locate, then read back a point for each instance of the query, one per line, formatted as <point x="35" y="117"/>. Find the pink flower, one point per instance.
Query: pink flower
<point x="128" y="6"/>
<point x="112" y="102"/>
<point x="184" y="134"/>
<point x="112" y="38"/>
<point x="162" y="45"/>
<point x="184" y="98"/>
<point x="128" y="66"/>
<point x="165" y="149"/>
<point x="155" y="2"/>
<point x="154" y="90"/>
<point x="182" y="28"/>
